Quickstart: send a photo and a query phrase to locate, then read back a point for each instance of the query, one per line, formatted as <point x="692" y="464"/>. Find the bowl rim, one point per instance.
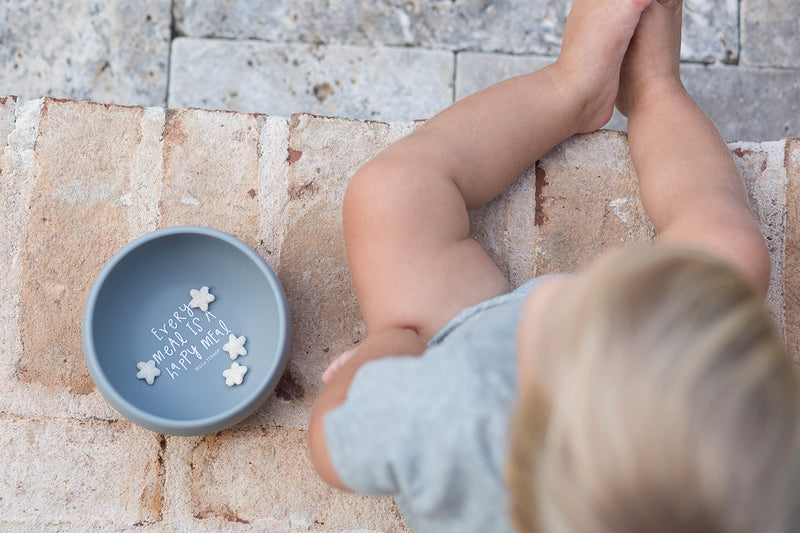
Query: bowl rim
<point x="198" y="426"/>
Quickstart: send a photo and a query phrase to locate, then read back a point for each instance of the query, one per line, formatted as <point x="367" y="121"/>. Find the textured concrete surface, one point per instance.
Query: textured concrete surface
<point x="380" y="83"/>
<point x="115" y="52"/>
<point x="80" y="180"/>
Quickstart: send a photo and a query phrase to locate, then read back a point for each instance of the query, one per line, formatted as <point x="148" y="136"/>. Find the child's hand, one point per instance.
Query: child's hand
<point x="336" y="364"/>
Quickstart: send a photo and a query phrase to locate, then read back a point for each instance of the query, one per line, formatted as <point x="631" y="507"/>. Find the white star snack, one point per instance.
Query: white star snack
<point x="234" y="375"/>
<point x="201" y="298"/>
<point x="147" y="371"/>
<point x="235" y="346"/>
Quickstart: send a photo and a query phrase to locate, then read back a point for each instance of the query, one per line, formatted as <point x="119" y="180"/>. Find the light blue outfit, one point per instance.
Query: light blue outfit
<point x="432" y="431"/>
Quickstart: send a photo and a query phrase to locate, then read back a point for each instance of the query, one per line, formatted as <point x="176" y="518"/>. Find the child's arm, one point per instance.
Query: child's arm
<point x="689" y="184"/>
<point x="386" y="343"/>
<point x="405" y="218"/>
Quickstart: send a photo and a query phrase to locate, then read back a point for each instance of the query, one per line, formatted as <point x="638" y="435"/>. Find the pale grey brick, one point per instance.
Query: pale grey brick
<point x="379" y="83"/>
<point x="514" y="26"/>
<point x="476" y="71"/>
<point x="113" y="52"/>
<point x="771" y="33"/>
<point x="746" y="104"/>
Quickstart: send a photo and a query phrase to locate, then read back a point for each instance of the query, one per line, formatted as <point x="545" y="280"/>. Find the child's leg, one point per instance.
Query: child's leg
<point x="405" y="213"/>
<point x="689" y="184"/>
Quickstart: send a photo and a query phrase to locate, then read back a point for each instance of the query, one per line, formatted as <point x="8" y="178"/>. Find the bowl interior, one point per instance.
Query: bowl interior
<point x="142" y="313"/>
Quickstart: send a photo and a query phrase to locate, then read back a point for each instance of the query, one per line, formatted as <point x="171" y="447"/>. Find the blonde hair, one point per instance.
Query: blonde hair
<point x="675" y="407"/>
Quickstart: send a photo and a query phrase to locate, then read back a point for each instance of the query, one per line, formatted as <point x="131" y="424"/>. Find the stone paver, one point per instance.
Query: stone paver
<point x="115" y="52"/>
<point x="744" y="103"/>
<point x="516" y="26"/>
<point x="211" y="172"/>
<point x="378" y="83"/>
<point x="78" y="217"/>
<point x="264" y="477"/>
<point x="81" y="472"/>
<point x="770" y="33"/>
<point x="791" y="278"/>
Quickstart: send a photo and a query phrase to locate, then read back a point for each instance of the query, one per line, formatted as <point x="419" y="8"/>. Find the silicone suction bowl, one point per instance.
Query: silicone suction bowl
<point x="138" y="310"/>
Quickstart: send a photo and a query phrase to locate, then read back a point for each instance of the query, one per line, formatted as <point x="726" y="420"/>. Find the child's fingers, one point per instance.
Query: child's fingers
<point x="336" y="364"/>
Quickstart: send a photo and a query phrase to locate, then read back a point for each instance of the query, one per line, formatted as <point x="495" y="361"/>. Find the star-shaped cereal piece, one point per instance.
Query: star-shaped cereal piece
<point x="234" y="375"/>
<point x="201" y="298"/>
<point x="235" y="346"/>
<point x="147" y="371"/>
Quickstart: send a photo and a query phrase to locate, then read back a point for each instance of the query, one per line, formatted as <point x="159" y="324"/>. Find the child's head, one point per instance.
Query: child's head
<point x="672" y="405"/>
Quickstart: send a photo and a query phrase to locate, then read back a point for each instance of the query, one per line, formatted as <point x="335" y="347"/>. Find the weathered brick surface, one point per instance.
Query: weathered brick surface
<point x="280" y="79"/>
<point x="326" y="320"/>
<point x="586" y="201"/>
<point x="102" y="51"/>
<point x="16" y="169"/>
<point x="770" y="33"/>
<point x="764" y="175"/>
<point x="264" y="477"/>
<point x="517" y="26"/>
<point x="273" y="191"/>
<point x="791" y="280"/>
<point x="211" y="172"/>
<point x="87" y="157"/>
<point x="96" y="176"/>
<point x="86" y="472"/>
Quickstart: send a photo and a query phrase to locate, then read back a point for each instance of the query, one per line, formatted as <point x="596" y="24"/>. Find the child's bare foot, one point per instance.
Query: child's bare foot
<point x="596" y="36"/>
<point x="653" y="57"/>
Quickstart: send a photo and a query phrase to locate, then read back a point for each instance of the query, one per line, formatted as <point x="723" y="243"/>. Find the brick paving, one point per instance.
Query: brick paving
<point x="105" y="174"/>
<point x="81" y="179"/>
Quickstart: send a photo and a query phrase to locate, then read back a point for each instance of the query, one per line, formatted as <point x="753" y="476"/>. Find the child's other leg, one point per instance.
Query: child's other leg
<point x="689" y="184"/>
<point x="405" y="213"/>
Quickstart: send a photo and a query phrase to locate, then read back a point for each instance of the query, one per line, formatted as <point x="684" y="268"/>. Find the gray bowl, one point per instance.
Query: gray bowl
<point x="137" y="310"/>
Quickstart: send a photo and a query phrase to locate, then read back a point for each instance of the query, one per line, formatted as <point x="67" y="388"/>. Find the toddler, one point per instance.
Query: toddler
<point x="646" y="393"/>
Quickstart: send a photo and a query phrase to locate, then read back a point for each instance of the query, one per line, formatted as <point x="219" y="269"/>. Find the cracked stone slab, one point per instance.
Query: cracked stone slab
<point x="84" y="206"/>
<point x="264" y="477"/>
<point x="517" y="26"/>
<point x="770" y="30"/>
<point x="377" y="83"/>
<point x="114" y="52"/>
<point x="62" y="472"/>
<point x="791" y="280"/>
